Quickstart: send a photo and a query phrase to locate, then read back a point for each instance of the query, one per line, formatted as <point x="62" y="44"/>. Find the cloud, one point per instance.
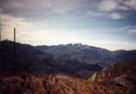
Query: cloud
<point x="129" y="29"/>
<point x="114" y="5"/>
<point x="124" y="8"/>
<point x="133" y="31"/>
<point x="14" y="21"/>
<point x="114" y="45"/>
<point x="112" y="15"/>
<point x="50" y="8"/>
<point x="130" y="3"/>
<point x="108" y="5"/>
<point x="116" y="16"/>
<point x="36" y="7"/>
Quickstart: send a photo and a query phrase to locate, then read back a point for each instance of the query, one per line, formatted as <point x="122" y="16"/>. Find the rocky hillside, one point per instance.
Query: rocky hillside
<point x="26" y="83"/>
<point x="117" y="79"/>
<point x="121" y="75"/>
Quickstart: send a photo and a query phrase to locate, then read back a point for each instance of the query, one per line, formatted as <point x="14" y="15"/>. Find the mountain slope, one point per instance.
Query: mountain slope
<point x="89" y="54"/>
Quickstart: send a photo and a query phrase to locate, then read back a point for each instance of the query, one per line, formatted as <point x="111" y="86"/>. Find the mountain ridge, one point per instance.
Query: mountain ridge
<point x="30" y="59"/>
<point x="89" y="54"/>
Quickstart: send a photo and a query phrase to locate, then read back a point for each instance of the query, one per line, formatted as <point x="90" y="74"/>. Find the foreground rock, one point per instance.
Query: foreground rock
<point x="120" y="75"/>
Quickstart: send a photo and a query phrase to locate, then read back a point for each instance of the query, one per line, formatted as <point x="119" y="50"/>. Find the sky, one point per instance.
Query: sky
<point x="109" y="24"/>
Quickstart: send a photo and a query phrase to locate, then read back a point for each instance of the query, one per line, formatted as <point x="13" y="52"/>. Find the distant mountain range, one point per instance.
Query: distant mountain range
<point x="31" y="59"/>
<point x="88" y="54"/>
<point x="72" y="59"/>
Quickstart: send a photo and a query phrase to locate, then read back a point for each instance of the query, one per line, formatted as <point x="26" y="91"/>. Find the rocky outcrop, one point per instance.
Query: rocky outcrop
<point x="121" y="75"/>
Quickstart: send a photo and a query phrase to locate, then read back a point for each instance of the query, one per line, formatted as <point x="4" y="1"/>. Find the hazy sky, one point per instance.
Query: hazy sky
<point x="108" y="24"/>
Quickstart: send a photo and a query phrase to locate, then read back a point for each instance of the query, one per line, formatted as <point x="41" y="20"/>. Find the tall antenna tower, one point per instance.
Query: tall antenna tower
<point x="14" y="50"/>
<point x="0" y="28"/>
<point x="14" y="35"/>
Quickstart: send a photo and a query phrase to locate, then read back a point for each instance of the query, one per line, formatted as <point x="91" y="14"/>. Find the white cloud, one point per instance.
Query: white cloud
<point x="129" y="29"/>
<point x="116" y="16"/>
<point x="124" y="28"/>
<point x="114" y="45"/>
<point x="108" y="5"/>
<point x="125" y="8"/>
<point x="133" y="31"/>
<point x="130" y="3"/>
<point x="13" y="21"/>
<point x="113" y="5"/>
